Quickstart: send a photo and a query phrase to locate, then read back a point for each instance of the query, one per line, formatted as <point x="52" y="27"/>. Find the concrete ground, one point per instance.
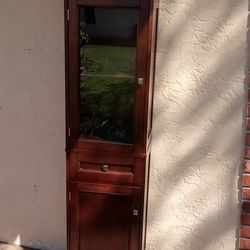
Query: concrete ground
<point x="4" y="246"/>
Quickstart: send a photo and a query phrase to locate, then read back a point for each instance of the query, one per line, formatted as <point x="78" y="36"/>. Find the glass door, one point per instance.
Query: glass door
<point x="107" y="81"/>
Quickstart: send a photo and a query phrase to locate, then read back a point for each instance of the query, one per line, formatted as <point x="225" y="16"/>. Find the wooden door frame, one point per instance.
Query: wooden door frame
<point x="74" y="142"/>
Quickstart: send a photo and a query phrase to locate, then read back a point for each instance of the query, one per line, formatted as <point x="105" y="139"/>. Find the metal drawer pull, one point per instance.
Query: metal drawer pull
<point x="105" y="168"/>
<point x="135" y="212"/>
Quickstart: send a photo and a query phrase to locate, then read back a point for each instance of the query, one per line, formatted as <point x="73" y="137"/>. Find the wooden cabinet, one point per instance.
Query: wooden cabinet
<point x="104" y="217"/>
<point x="110" y="53"/>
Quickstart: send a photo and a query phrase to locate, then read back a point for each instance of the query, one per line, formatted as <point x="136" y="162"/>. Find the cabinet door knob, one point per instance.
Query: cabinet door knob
<point x="105" y="168"/>
<point x="135" y="212"/>
<point x="140" y="81"/>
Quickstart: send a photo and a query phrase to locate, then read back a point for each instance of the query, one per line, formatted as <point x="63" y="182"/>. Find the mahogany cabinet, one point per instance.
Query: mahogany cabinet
<point x="110" y="53"/>
<point x="101" y="216"/>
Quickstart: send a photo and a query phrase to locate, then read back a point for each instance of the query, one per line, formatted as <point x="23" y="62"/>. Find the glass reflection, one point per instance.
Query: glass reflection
<point x="107" y="73"/>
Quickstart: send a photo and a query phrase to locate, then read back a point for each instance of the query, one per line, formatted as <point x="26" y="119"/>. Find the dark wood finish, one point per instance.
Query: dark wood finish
<point x="144" y="44"/>
<point x="89" y="168"/>
<point x="66" y="28"/>
<point x="82" y="146"/>
<point x="73" y="91"/>
<point x="102" y="215"/>
<point x="110" y="3"/>
<point x="101" y="203"/>
<point x="145" y="202"/>
<point x="153" y="20"/>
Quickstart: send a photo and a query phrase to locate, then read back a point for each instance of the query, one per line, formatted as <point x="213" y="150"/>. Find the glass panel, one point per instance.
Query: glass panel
<point x="107" y="73"/>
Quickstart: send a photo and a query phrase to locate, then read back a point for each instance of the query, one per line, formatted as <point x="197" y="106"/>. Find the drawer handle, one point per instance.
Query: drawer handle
<point x="105" y="168"/>
<point x="81" y="170"/>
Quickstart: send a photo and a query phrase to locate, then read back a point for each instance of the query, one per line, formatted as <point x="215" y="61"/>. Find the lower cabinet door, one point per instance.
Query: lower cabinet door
<point x="104" y="217"/>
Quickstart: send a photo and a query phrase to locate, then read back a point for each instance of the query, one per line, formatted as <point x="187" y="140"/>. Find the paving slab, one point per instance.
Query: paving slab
<point x="5" y="246"/>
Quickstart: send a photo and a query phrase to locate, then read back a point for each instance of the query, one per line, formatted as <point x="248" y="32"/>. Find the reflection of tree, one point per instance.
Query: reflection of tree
<point x="107" y="107"/>
<point x="84" y="37"/>
<point x="86" y="64"/>
<point x="106" y="90"/>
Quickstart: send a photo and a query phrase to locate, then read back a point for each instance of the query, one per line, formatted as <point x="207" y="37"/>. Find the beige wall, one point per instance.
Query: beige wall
<point x="198" y="142"/>
<point x="32" y="121"/>
<point x="199" y="111"/>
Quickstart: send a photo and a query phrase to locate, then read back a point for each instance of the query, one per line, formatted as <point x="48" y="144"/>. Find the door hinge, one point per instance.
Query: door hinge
<point x="70" y="197"/>
<point x="69" y="131"/>
<point x="67" y="14"/>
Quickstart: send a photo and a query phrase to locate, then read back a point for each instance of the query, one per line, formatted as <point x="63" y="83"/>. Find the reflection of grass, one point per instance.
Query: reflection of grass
<point x="107" y="92"/>
<point x="109" y="60"/>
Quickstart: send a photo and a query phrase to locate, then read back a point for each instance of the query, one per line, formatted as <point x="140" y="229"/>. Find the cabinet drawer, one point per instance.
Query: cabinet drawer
<point x="105" y="171"/>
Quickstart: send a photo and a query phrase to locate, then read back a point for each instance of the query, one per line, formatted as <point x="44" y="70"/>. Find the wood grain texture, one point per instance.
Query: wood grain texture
<point x="110" y="3"/>
<point x="104" y="212"/>
<point x="101" y="202"/>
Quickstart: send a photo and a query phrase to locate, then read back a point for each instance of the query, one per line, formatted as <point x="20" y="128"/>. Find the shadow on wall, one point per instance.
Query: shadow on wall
<point x="199" y="129"/>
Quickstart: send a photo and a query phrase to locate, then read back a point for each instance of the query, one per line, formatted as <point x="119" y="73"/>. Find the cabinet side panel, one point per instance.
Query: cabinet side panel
<point x="152" y="50"/>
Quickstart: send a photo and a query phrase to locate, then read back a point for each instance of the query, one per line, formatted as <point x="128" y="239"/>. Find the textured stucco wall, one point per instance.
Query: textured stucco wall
<point x="198" y="124"/>
<point x="199" y="110"/>
<point x="32" y="121"/>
